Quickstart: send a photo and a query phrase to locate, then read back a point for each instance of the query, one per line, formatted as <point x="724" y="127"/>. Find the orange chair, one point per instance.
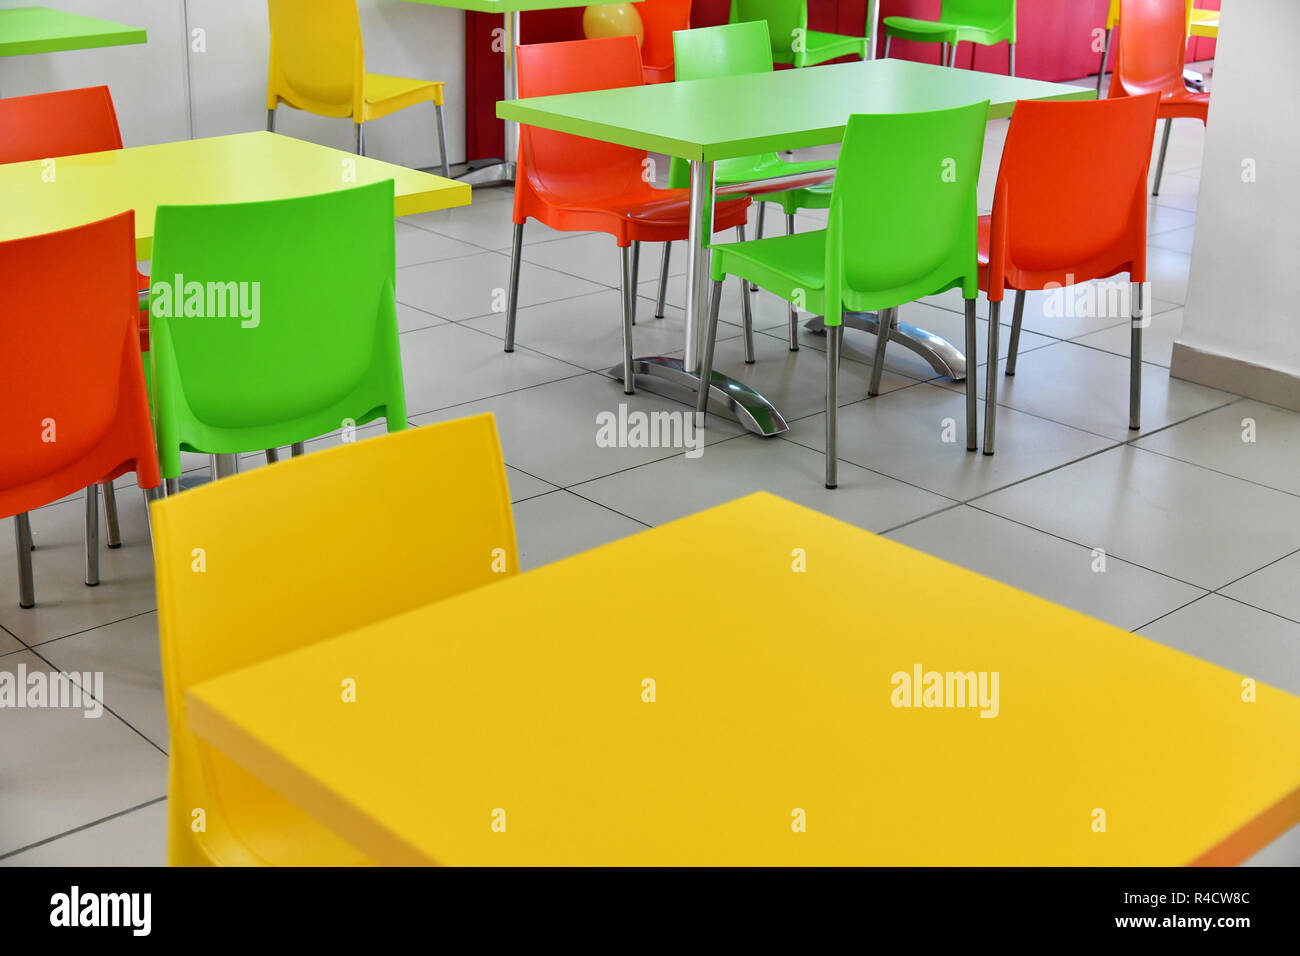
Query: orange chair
<point x="661" y="18"/>
<point x="1062" y="215"/>
<point x="1152" y="55"/>
<point x="76" y="413"/>
<point x="49" y="125"/>
<point x="575" y="184"/>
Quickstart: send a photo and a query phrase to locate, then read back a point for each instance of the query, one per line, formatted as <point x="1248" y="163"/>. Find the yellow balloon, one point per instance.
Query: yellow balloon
<point x="613" y="20"/>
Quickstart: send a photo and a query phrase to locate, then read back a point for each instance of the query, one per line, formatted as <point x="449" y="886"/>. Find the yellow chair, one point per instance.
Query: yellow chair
<point x="263" y="563"/>
<point x="318" y="65"/>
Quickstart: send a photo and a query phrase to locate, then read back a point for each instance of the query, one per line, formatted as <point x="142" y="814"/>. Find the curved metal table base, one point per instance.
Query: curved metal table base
<point x="751" y="409"/>
<point x="943" y="356"/>
<point x="494" y="174"/>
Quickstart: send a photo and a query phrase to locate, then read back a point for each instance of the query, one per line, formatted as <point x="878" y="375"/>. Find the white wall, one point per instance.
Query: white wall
<point x="1243" y="299"/>
<point x="229" y="79"/>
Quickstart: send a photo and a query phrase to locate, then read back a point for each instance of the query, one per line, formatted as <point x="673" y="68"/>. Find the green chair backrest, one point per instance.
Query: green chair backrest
<point x="903" y="211"/>
<point x="731" y="49"/>
<point x="273" y="322"/>
<point x="988" y="14"/>
<point x="786" y="20"/>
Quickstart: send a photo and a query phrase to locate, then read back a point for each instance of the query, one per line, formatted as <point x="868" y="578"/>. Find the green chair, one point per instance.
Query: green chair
<point x="913" y="176"/>
<point x="792" y="41"/>
<point x="730" y="50"/>
<point x="986" y="22"/>
<point x="273" y="323"/>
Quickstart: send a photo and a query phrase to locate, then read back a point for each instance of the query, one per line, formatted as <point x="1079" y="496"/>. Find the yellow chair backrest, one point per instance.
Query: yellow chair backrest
<point x="1112" y="17"/>
<point x="260" y="564"/>
<point x="317" y="61"/>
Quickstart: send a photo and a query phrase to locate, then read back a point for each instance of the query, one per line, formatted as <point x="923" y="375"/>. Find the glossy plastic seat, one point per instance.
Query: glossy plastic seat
<point x="575" y="184"/>
<point x="1151" y="57"/>
<point x="318" y="65"/>
<point x="661" y="18"/>
<point x="986" y="22"/>
<point x="792" y="41"/>
<point x="912" y="174"/>
<point x="352" y="535"/>
<point x="730" y="50"/>
<point x="1062" y="216"/>
<point x="75" y="410"/>
<point x="65" y="123"/>
<point x="294" y="332"/>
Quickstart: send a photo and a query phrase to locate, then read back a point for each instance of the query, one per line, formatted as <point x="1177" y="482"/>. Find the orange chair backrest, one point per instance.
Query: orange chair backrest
<point x="46" y="125"/>
<point x="1152" y="48"/>
<point x="1063" y="210"/>
<point x="71" y="380"/>
<point x="560" y="165"/>
<point x="660" y="19"/>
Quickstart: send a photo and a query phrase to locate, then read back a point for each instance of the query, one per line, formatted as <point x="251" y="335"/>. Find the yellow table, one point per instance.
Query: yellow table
<point x="47" y="195"/>
<point x="1205" y="23"/>
<point x="522" y="706"/>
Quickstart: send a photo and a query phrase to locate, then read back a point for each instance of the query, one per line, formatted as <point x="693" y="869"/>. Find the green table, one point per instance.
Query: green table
<point x="503" y="171"/>
<point x="42" y="30"/>
<point x="704" y="121"/>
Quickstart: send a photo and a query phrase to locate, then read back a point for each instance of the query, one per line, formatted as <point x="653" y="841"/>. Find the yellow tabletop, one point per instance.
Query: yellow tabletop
<point x="1205" y="23"/>
<point x="47" y="195"/>
<point x="514" y="725"/>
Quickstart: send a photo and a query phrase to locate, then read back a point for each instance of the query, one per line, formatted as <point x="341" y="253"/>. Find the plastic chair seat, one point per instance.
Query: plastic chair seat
<point x="649" y="215"/>
<point x="388" y="94"/>
<point x="820" y="47"/>
<point x="938" y="31"/>
<point x="1178" y="105"/>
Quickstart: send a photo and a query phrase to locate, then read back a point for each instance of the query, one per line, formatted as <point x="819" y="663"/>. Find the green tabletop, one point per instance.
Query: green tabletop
<point x="42" y="30"/>
<point x="731" y="116"/>
<point x="516" y="6"/>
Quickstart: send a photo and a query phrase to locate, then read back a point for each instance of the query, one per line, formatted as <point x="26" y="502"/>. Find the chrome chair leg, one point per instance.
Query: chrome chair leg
<point x="746" y="311"/>
<point x="512" y="293"/>
<point x="1101" y="71"/>
<point x="110" y="516"/>
<point x="663" y="280"/>
<point x="1164" y="148"/>
<point x="272" y="455"/>
<point x="1011" y="59"/>
<point x="884" y="324"/>
<point x="991" y="379"/>
<point x="23" y="545"/>
<point x="888" y="40"/>
<point x="1013" y="344"/>
<point x="171" y="486"/>
<point x="92" y="535"/>
<point x="629" y="293"/>
<point x="1135" y="361"/>
<point x="636" y="274"/>
<point x="791" y="310"/>
<point x="270" y="121"/>
<point x="297" y="448"/>
<point x="361" y="140"/>
<point x="758" y="234"/>
<point x="834" y="336"/>
<point x="943" y="55"/>
<point x="972" y="403"/>
<point x="224" y="466"/>
<point x="442" y="143"/>
<point x="151" y="495"/>
<point x="706" y="360"/>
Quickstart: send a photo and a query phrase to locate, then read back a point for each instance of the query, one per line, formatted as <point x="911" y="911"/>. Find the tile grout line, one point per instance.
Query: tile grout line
<point x="84" y="826"/>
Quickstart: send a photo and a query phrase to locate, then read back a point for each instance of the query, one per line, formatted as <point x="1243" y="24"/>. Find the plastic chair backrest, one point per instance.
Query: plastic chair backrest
<point x="284" y="323"/>
<point x="660" y="19"/>
<point x="786" y="20"/>
<point x="727" y="50"/>
<point x="563" y="165"/>
<point x="47" y="125"/>
<point x="1152" y="48"/>
<point x="1112" y="15"/>
<point x="317" y="62"/>
<point x="918" y="172"/>
<point x="1060" y="207"/>
<point x="71" y="380"/>
<point x="349" y="536"/>
<point x="989" y="14"/>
